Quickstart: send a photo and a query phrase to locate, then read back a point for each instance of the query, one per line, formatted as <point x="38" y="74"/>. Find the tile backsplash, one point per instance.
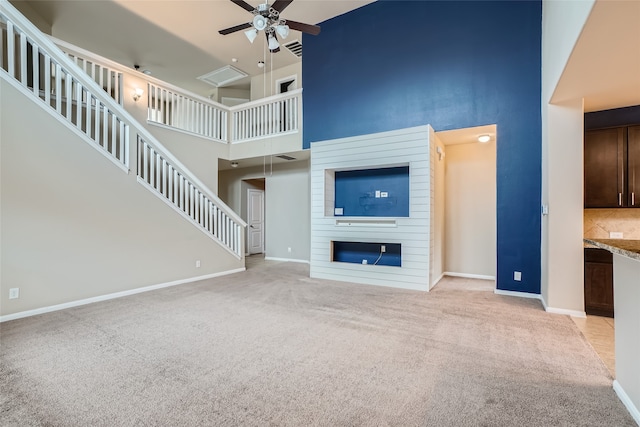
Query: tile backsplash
<point x="598" y="223"/>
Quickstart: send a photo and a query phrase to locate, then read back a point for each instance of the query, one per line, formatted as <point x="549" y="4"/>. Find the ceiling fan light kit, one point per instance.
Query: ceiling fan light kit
<point x="267" y="18"/>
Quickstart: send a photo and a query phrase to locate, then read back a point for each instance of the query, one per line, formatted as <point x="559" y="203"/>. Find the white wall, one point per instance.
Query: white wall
<point x="562" y="175"/>
<point x="75" y="226"/>
<point x="626" y="272"/>
<point x="470" y="209"/>
<point x="386" y="149"/>
<point x="287" y="204"/>
<point x="438" y="212"/>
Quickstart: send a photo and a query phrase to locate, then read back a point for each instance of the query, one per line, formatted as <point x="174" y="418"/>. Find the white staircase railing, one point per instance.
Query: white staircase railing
<point x="56" y="85"/>
<point x="33" y="64"/>
<point x="107" y="74"/>
<point x="170" y="106"/>
<point x="275" y="115"/>
<point x="160" y="175"/>
<point x="190" y="113"/>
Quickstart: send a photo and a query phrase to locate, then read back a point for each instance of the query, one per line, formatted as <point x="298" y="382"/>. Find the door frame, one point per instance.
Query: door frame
<point x="249" y="208"/>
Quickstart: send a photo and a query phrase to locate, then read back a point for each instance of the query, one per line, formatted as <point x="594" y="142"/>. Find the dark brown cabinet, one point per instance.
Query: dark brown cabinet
<point x="633" y="162"/>
<point x="612" y="168"/>
<point x="598" y="282"/>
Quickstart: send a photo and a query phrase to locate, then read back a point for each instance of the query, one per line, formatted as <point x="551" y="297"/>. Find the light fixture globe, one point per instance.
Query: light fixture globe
<point x="273" y="42"/>
<point x="259" y="22"/>
<point x="251" y="34"/>
<point x="283" y="30"/>
<point x="484" y="138"/>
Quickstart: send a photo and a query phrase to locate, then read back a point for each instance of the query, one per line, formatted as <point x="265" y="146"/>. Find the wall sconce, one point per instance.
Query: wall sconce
<point x="137" y="94"/>
<point x="234" y="164"/>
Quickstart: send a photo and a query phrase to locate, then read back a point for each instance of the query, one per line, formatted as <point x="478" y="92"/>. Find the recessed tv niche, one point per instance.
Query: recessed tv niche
<point x="381" y="192"/>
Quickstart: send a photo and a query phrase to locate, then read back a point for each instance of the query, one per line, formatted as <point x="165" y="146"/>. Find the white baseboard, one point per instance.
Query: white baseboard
<point x="302" y="261"/>
<point x="626" y="401"/>
<point x="435" y="282"/>
<point x="563" y="311"/>
<point x="469" y="276"/>
<point x="114" y="295"/>
<point x="516" y="294"/>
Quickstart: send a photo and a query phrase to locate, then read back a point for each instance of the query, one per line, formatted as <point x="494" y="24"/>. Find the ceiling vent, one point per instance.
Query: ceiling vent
<point x="294" y="47"/>
<point x="285" y="157"/>
<point x="223" y="76"/>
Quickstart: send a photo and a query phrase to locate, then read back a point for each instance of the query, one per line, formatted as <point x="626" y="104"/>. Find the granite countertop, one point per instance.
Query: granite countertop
<point x="628" y="248"/>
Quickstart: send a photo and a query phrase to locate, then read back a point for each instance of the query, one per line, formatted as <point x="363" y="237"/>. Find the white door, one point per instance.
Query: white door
<point x="255" y="215"/>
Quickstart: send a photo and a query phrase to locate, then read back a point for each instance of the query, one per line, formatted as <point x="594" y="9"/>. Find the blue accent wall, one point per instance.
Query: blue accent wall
<point x="355" y="192"/>
<point x="452" y="64"/>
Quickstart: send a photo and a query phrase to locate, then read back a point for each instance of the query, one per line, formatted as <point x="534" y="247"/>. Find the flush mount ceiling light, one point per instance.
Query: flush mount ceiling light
<point x="267" y="18"/>
<point x="484" y="138"/>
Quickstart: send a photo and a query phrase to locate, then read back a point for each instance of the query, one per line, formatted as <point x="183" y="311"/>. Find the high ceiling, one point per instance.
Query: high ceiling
<point x="604" y="67"/>
<point x="157" y="35"/>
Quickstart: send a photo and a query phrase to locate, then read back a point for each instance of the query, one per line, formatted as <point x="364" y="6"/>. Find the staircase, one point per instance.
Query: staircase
<point x="94" y="206"/>
<point x="87" y="97"/>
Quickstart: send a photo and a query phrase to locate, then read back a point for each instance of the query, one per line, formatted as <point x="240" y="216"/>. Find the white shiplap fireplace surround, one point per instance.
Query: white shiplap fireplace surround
<point x="414" y="147"/>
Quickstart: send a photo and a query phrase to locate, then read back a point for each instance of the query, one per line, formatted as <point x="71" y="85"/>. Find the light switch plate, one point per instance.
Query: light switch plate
<point x="615" y="235"/>
<point x="338" y="211"/>
<point x="384" y="194"/>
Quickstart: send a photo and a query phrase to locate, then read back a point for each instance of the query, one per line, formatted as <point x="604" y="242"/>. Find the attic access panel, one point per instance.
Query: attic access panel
<point x="223" y="76"/>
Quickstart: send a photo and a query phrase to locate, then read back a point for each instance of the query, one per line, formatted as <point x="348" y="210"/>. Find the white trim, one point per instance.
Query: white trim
<point x="186" y="132"/>
<point x="564" y="311"/>
<point x="435" y="282"/>
<point x="517" y="294"/>
<point x="469" y="276"/>
<point x="293" y="78"/>
<point x="302" y="261"/>
<point x="271" y="135"/>
<point x="114" y="295"/>
<point x="626" y="401"/>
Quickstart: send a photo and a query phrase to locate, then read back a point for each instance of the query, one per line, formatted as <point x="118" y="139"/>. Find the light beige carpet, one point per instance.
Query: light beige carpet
<point x="272" y="347"/>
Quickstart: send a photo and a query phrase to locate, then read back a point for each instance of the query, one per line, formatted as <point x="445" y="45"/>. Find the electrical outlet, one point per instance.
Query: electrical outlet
<point x="616" y="235"/>
<point x="517" y="276"/>
<point x="364" y="261"/>
<point x="289" y="250"/>
<point x="197" y="263"/>
<point x="383" y="248"/>
<point x="14" y="293"/>
<point x="384" y="194"/>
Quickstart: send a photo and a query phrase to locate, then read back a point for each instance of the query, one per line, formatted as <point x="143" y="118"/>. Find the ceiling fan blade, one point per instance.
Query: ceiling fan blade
<point x="243" y="4"/>
<point x="305" y="28"/>
<point x="234" y="29"/>
<point x="280" y="5"/>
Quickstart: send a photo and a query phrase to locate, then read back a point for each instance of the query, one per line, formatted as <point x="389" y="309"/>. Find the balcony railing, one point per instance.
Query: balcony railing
<point x="174" y="107"/>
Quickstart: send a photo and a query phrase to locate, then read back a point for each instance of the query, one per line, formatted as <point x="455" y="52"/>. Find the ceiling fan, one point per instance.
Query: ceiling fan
<point x="267" y="18"/>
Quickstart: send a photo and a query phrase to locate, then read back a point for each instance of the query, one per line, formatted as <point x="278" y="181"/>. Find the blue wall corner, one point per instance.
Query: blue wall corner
<point x="452" y="65"/>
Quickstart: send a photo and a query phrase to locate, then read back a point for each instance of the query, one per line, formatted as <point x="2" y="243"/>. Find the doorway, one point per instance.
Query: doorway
<point x="286" y="84"/>
<point x="254" y="191"/>
<point x="470" y="234"/>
